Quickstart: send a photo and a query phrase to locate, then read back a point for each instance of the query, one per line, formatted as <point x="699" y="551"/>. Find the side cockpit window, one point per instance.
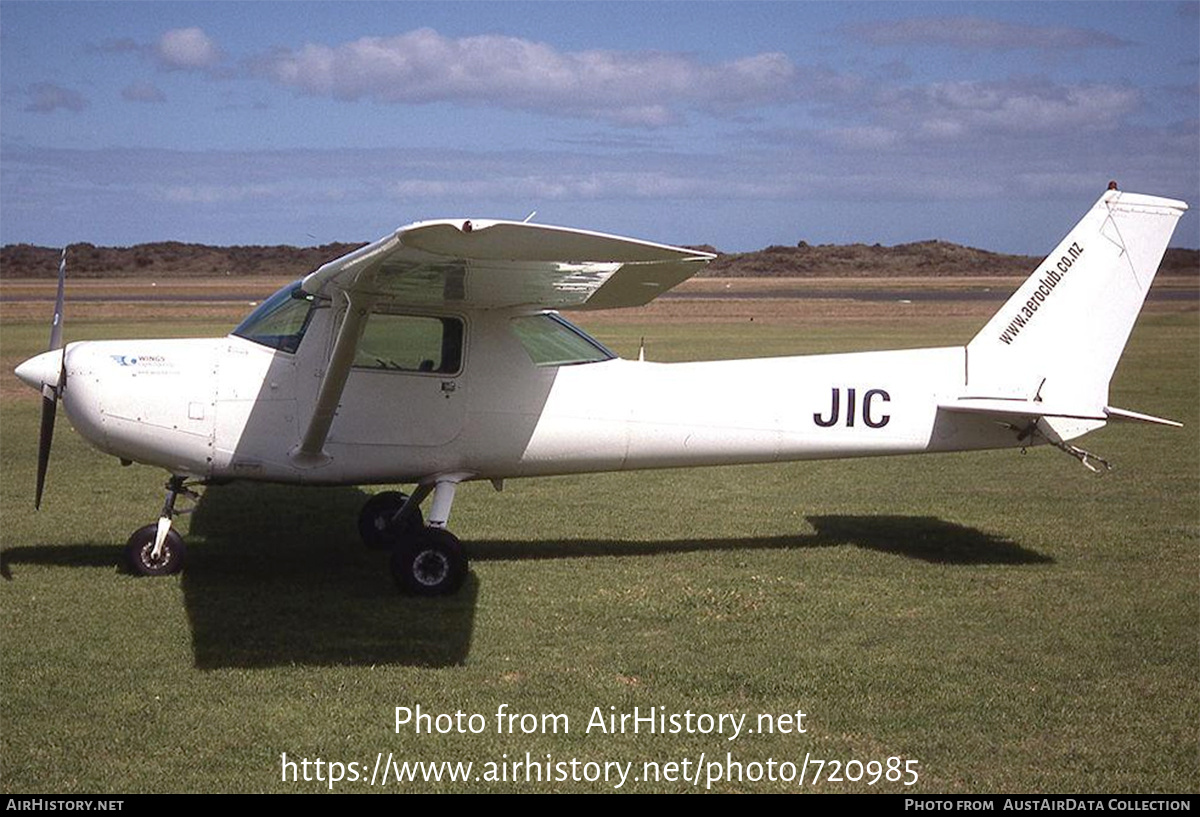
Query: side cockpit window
<point x="280" y="321"/>
<point x="550" y="340"/>
<point x="411" y="343"/>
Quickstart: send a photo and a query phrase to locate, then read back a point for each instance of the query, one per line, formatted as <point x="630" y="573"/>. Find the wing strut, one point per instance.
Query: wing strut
<point x="311" y="450"/>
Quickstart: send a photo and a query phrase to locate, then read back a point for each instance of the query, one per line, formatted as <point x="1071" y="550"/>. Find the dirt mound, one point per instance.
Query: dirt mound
<point x="922" y="259"/>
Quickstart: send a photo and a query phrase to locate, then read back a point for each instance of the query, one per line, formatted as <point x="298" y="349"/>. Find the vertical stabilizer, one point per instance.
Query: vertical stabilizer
<point x="1058" y="338"/>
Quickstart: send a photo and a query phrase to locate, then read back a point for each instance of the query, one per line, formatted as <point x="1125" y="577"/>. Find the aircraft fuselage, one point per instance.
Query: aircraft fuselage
<point x="232" y="408"/>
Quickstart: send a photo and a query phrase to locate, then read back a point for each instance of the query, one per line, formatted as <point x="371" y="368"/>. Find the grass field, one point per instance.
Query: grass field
<point x="1010" y="621"/>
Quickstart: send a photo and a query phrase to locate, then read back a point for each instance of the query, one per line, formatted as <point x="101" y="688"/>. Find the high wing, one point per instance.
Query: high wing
<point x="482" y="265"/>
<point x="491" y="264"/>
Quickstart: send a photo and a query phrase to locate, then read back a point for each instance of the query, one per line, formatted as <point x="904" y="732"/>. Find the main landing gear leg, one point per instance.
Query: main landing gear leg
<point x="157" y="549"/>
<point x="429" y="560"/>
<point x="388" y="517"/>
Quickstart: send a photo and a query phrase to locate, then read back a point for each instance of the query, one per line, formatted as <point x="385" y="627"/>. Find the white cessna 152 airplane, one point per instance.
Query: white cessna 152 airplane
<point x="437" y="355"/>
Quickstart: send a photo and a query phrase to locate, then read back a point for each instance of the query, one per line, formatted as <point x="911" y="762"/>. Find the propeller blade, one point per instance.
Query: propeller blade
<point x="49" y="409"/>
<point x="51" y="393"/>
<point x="56" y="327"/>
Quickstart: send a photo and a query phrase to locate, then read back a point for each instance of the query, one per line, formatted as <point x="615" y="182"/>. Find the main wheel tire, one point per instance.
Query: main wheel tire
<point x="430" y="562"/>
<point x="374" y="520"/>
<point x="140" y="546"/>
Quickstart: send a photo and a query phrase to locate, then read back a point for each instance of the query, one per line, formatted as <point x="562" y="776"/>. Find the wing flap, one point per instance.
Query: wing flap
<point x="639" y="284"/>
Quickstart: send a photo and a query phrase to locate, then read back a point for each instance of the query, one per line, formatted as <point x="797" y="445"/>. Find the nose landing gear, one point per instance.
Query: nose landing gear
<point x="157" y="549"/>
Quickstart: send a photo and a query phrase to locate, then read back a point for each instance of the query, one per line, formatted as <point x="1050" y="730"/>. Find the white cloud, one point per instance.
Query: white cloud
<point x="953" y="110"/>
<point x="534" y="186"/>
<point x="218" y="193"/>
<point x="187" y="48"/>
<point x="47" y="97"/>
<point x="643" y="89"/>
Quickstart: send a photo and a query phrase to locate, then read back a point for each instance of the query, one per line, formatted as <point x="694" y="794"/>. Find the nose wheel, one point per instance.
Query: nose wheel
<point x="144" y="561"/>
<point x="157" y="549"/>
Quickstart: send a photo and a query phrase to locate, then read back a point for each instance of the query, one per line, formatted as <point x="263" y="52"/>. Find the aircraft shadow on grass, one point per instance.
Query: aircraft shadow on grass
<point x="918" y="537"/>
<point x="277" y="575"/>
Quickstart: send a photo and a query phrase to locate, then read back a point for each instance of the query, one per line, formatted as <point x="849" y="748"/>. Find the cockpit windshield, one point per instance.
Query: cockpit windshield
<point x="280" y="321"/>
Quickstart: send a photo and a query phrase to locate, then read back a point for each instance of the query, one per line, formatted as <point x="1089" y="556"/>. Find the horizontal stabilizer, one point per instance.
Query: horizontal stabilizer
<point x="1122" y="414"/>
<point x="1005" y="409"/>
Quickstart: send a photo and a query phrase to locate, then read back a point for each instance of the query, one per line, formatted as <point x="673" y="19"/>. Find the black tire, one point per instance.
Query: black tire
<point x="374" y="518"/>
<point x="141" y="545"/>
<point x="429" y="562"/>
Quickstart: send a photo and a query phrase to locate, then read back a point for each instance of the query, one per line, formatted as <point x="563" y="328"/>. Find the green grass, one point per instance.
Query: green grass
<point x="1010" y="621"/>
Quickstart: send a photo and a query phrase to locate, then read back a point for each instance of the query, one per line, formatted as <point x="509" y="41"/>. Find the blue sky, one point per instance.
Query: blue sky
<point x="738" y="124"/>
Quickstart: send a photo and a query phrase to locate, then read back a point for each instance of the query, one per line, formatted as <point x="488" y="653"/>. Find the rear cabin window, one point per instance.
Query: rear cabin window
<point x="411" y="343"/>
<point x="550" y="340"/>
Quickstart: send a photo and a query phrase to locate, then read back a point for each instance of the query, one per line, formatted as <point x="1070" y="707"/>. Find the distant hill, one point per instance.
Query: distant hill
<point x="178" y="260"/>
<point x="169" y="258"/>
<point x="919" y="259"/>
